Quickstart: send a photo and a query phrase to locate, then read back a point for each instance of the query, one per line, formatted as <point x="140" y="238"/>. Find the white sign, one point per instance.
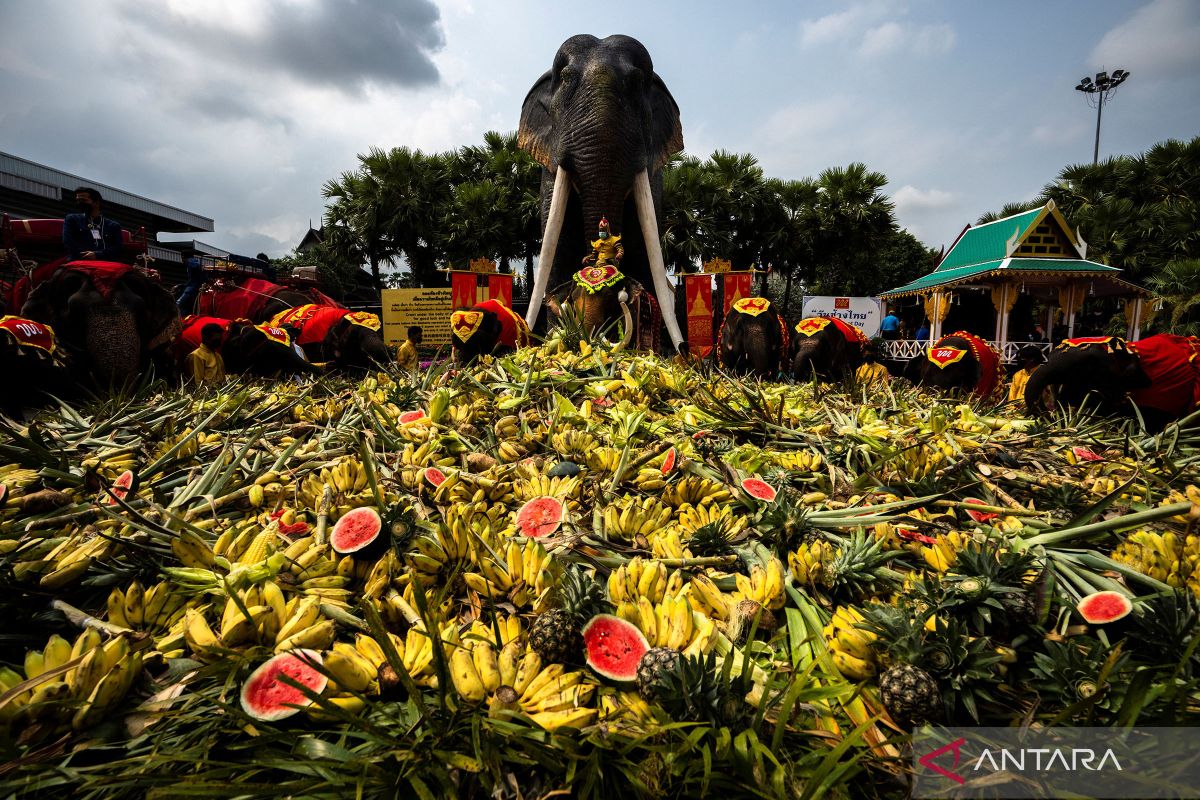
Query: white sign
<point x="861" y="311"/>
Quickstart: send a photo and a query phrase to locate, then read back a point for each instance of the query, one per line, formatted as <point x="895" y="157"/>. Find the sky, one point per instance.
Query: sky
<point x="240" y="110"/>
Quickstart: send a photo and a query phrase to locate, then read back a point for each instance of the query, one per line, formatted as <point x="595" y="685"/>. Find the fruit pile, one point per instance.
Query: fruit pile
<point x="579" y="555"/>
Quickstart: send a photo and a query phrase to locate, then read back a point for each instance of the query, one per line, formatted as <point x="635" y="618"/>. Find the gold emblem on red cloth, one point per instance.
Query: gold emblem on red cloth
<point x="812" y="325"/>
<point x="465" y="323"/>
<point x="752" y="306"/>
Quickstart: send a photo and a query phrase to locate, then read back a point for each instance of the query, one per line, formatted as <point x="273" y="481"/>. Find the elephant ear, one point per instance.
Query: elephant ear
<point x="535" y="133"/>
<point x="666" y="131"/>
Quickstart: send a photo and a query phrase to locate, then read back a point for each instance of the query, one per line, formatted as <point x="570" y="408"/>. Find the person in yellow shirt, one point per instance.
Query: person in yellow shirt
<point x="406" y="353"/>
<point x="204" y="364"/>
<point x="1030" y="358"/>
<point x="871" y="371"/>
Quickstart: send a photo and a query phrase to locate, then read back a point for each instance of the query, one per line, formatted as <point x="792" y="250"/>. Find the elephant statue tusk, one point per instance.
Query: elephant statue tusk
<point x="649" y="223"/>
<point x="628" y="328"/>
<point x="554" y="223"/>
<point x="554" y="306"/>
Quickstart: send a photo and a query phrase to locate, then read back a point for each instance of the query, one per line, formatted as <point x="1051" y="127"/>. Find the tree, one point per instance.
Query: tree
<point x="853" y="217"/>
<point x="1178" y="286"/>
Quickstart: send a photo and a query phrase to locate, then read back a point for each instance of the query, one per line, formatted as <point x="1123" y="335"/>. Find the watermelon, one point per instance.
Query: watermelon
<point x="759" y="489"/>
<point x="434" y="475"/>
<point x="614" y="647"/>
<point x="357" y="532"/>
<point x="122" y="486"/>
<point x="979" y="516"/>
<point x="540" y="517"/>
<point x="669" y="464"/>
<point x="3" y="492"/>
<point x="268" y="699"/>
<point x="1085" y="454"/>
<point x="411" y="416"/>
<point x="1103" y="608"/>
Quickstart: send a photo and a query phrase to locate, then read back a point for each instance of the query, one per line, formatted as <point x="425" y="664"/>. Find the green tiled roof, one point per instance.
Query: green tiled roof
<point x="987" y="242"/>
<point x="998" y="267"/>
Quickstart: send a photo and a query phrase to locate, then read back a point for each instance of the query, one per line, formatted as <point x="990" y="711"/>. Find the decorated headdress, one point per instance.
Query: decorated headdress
<point x="603" y="223"/>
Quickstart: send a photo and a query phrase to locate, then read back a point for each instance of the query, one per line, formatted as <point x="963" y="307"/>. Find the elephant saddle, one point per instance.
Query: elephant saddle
<point x="27" y="333"/>
<point x="514" y="332"/>
<point x="1170" y="362"/>
<point x="244" y="301"/>
<point x="189" y="338"/>
<point x="811" y="326"/>
<point x="314" y="322"/>
<point x="990" y="367"/>
<point x="103" y="274"/>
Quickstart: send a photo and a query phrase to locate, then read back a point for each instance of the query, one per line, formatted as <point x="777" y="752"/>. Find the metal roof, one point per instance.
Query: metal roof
<point x="988" y="241"/>
<point x="998" y="268"/>
<point x="28" y="176"/>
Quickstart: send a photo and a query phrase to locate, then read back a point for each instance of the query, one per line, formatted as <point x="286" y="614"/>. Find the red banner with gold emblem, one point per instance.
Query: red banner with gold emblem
<point x="462" y="290"/>
<point x="500" y="286"/>
<point x="698" y="294"/>
<point x="737" y="286"/>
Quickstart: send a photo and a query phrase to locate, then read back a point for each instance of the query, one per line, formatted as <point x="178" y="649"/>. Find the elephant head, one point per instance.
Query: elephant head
<point x="959" y="362"/>
<point x="602" y="124"/>
<point x="827" y="347"/>
<point x="111" y="318"/>
<point x="1106" y="366"/>
<point x="488" y="328"/>
<point x="259" y="350"/>
<point x="599" y="295"/>
<point x="357" y="347"/>
<point x="32" y="365"/>
<point x="753" y="338"/>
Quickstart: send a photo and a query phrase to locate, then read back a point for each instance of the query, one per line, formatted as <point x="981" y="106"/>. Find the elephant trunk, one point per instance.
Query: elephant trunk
<point x="1042" y="378"/>
<point x="113" y="344"/>
<point x="554" y="224"/>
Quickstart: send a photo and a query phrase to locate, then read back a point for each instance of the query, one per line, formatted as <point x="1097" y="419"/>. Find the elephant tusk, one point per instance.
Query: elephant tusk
<point x="628" y="328"/>
<point x="554" y="306"/>
<point x="554" y="223"/>
<point x="662" y="288"/>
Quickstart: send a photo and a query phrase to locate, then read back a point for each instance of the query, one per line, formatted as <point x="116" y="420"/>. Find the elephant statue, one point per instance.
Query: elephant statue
<point x="1158" y="374"/>
<point x="256" y="299"/>
<point x="961" y="362"/>
<point x="351" y="340"/>
<point x="599" y="295"/>
<point x="754" y="338"/>
<point x="31" y="363"/>
<point x="826" y="346"/>
<point x="602" y="124"/>
<point x="488" y="328"/>
<point x="259" y="350"/>
<point x="112" y="319"/>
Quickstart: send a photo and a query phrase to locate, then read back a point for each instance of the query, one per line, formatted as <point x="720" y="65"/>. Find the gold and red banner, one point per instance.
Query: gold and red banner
<point x="462" y="289"/>
<point x="737" y="286"/>
<point x="698" y="296"/>
<point x="26" y="332"/>
<point x="500" y="288"/>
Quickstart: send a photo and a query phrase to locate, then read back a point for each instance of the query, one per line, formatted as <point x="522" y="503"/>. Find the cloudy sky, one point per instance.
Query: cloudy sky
<point x="241" y="109"/>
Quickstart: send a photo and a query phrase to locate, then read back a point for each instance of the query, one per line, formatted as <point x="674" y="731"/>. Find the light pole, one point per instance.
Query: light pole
<point x="1101" y="88"/>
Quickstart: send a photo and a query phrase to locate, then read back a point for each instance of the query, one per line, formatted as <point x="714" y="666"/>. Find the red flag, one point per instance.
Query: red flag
<point x="698" y="294"/>
<point x="737" y="286"/>
<point x="462" y="290"/>
<point x="500" y="288"/>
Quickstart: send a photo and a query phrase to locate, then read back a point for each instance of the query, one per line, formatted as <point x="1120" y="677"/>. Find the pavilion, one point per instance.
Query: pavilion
<point x="1034" y="255"/>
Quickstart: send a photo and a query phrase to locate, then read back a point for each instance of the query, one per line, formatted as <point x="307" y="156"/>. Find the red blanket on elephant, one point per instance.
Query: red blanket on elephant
<point x="104" y="274"/>
<point x="810" y="326"/>
<point x="237" y="302"/>
<point x="514" y="332"/>
<point x="189" y="337"/>
<point x="989" y="363"/>
<point x="314" y="321"/>
<point x="25" y="285"/>
<point x="1170" y="362"/>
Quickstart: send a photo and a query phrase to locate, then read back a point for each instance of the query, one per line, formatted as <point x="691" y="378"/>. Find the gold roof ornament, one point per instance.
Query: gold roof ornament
<point x="483" y="265"/>
<point x="717" y="266"/>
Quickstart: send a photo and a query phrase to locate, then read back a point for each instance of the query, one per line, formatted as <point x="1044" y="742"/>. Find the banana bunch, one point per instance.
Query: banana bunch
<point x="764" y="585"/>
<point x="79" y="697"/>
<point x="524" y="578"/>
<point x="642" y="578"/>
<point x="439" y="552"/>
<point x="850" y="645"/>
<point x="414" y="459"/>
<point x="352" y="671"/>
<point x="603" y="460"/>
<point x="347" y="477"/>
<point x="943" y="554"/>
<point x="799" y="461"/>
<point x="693" y="518"/>
<point x="914" y="463"/>
<point x="671" y="623"/>
<point x="67" y="563"/>
<point x="320" y="412"/>
<point x="708" y="600"/>
<point x="112" y="461"/>
<point x="507" y="428"/>
<point x="629" y="517"/>
<point x="574" y="445"/>
<point x="1103" y="485"/>
<point x="625" y="711"/>
<point x="460" y="487"/>
<point x="668" y="544"/>
<point x="478" y="523"/>
<point x="568" y="489"/>
<point x="695" y="491"/>
<point x="155" y="609"/>
<point x="510" y="452"/>
<point x="552" y="697"/>
<point x="811" y="561"/>
<point x="650" y="479"/>
<point x="1166" y="557"/>
<point x="16" y="478"/>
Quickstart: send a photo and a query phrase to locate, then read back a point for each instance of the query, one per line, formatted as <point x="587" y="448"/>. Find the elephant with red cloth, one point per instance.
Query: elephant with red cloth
<point x="260" y="350"/>
<point x="960" y="361"/>
<point x="348" y="339"/>
<point x="487" y="328"/>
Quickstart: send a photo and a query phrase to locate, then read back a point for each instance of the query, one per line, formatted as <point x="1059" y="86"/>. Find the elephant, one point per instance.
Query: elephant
<point x="256" y="299"/>
<point x="111" y="318"/>
<point x="487" y="328"/>
<point x="32" y="365"/>
<point x="1157" y="374"/>
<point x="259" y="350"/>
<point x="352" y="340"/>
<point x="961" y="362"/>
<point x="599" y="295"/>
<point x="754" y="338"/>
<point x="602" y="124"/>
<point x="827" y="347"/>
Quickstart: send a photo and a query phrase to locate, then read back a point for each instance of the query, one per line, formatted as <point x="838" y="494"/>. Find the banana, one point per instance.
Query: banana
<point x="116" y="607"/>
<point x="35" y="664"/>
<point x="314" y="637"/>
<point x="647" y="619"/>
<point x="134" y="599"/>
<point x="306" y="614"/>
<point x="352" y="671"/>
<point x="197" y="633"/>
<point x="108" y="691"/>
<point x="56" y="653"/>
<point x="528" y="669"/>
<point x="487" y="665"/>
<point x="465" y="677"/>
<point x="572" y="718"/>
<point x="851" y="667"/>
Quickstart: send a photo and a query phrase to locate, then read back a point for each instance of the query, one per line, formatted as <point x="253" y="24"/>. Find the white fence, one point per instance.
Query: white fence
<point x="905" y="349"/>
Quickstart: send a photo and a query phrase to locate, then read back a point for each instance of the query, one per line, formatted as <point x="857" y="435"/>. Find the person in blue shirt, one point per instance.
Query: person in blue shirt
<point x="890" y="326"/>
<point x="195" y="282"/>
<point x="87" y="235"/>
<point x="923" y="331"/>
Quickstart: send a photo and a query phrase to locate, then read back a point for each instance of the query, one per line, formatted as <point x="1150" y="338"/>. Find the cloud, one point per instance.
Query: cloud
<point x="892" y="38"/>
<point x="909" y="198"/>
<point x="873" y="27"/>
<point x="1061" y="133"/>
<point x="1160" y="40"/>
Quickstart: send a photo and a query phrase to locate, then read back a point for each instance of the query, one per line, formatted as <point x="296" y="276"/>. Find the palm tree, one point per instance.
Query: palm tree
<point x="853" y="217"/>
<point x="1008" y="210"/>
<point x="1178" y="286"/>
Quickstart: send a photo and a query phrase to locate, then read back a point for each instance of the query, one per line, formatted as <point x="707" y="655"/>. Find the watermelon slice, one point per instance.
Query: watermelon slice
<point x="357" y="532"/>
<point x="759" y="489"/>
<point x="614" y="647"/>
<point x="1103" y="608"/>
<point x="1085" y="454"/>
<point x="540" y="517"/>
<point x="121" y="487"/>
<point x="268" y="699"/>
<point x="3" y="492"/>
<point x="979" y="516"/>
<point x="669" y="465"/>
<point x="434" y="476"/>
<point x="411" y="416"/>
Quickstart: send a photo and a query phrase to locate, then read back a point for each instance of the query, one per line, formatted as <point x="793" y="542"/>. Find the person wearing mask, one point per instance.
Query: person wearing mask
<point x="406" y="353"/>
<point x="87" y="234"/>
<point x="871" y="371"/>
<point x="890" y="327"/>
<point x="204" y="364"/>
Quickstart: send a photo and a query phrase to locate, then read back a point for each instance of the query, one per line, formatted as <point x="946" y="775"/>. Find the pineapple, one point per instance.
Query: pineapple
<point x="989" y="587"/>
<point x="556" y="635"/>
<point x="694" y="688"/>
<point x="909" y="692"/>
<point x="858" y="568"/>
<point x="652" y="669"/>
<point x="783" y="524"/>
